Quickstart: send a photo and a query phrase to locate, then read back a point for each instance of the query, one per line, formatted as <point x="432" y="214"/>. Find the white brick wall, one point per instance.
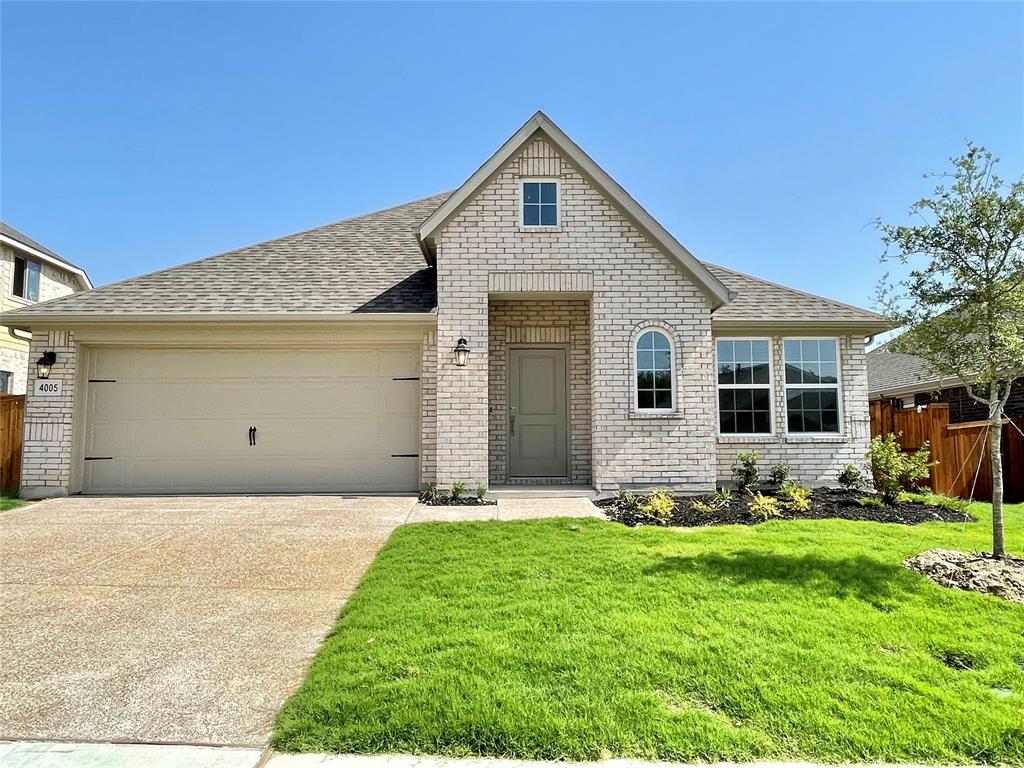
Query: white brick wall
<point x="428" y="418"/>
<point x="15" y="361"/>
<point x="46" y="457"/>
<point x="633" y="283"/>
<point x="815" y="460"/>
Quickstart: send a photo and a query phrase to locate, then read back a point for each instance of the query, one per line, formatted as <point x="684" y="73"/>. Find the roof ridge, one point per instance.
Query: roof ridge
<point x="243" y="248"/>
<point x="796" y="291"/>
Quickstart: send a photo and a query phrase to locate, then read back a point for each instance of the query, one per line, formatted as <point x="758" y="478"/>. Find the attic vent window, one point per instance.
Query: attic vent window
<point x="540" y="203"/>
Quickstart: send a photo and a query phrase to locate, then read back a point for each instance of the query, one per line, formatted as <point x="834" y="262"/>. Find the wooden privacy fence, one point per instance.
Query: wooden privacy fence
<point x="12" y="425"/>
<point x="957" y="448"/>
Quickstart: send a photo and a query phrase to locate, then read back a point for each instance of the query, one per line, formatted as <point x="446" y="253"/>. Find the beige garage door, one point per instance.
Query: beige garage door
<point x="178" y="421"/>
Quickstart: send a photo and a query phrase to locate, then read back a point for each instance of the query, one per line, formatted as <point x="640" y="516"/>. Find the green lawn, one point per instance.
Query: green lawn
<point x="585" y="639"/>
<point x="9" y="501"/>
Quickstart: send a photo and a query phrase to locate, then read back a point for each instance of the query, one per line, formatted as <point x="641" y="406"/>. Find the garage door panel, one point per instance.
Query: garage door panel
<point x="178" y="421"/>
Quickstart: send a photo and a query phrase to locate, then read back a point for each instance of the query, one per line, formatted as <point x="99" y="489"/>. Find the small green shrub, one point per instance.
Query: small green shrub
<point x="704" y="507"/>
<point x="430" y="494"/>
<point x="851" y="478"/>
<point x="660" y="505"/>
<point x="871" y="501"/>
<point x="798" y="498"/>
<point x="627" y="499"/>
<point x="722" y="497"/>
<point x="764" y="507"/>
<point x="457" y="490"/>
<point x="744" y="469"/>
<point x="481" y="491"/>
<point x="938" y="500"/>
<point x="893" y="470"/>
<point x="779" y="474"/>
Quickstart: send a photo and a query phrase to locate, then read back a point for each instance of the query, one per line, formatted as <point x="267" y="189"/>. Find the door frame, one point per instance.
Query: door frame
<point x="511" y="479"/>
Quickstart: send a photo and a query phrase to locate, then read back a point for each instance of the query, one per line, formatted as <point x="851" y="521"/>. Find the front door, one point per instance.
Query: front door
<point x="537" y="413"/>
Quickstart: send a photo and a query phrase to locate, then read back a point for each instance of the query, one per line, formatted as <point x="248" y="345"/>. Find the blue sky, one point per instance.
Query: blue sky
<point x="766" y="137"/>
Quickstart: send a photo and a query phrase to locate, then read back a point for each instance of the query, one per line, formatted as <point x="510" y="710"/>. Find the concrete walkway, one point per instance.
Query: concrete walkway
<point x="55" y="755"/>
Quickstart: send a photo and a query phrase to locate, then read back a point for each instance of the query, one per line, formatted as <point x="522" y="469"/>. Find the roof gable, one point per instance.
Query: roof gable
<point x="540" y="123"/>
<point x="23" y="242"/>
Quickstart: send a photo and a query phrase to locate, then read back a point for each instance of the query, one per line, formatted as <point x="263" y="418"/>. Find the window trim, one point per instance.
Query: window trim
<point x="39" y="271"/>
<point x="638" y="334"/>
<point x="558" y="202"/>
<point x="770" y="386"/>
<point x="8" y="377"/>
<point x="838" y="386"/>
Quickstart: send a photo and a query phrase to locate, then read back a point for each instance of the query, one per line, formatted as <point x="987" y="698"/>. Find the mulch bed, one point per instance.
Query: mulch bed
<point x="826" y="503"/>
<point x="974" y="572"/>
<point x="462" y="501"/>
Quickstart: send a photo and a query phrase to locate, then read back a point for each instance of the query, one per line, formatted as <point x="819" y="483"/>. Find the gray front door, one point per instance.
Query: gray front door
<point x="537" y="411"/>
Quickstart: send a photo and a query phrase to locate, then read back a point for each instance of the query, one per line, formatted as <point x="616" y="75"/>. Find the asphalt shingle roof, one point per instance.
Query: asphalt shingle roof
<point x="370" y="263"/>
<point x="24" y="239"/>
<point x="890" y="371"/>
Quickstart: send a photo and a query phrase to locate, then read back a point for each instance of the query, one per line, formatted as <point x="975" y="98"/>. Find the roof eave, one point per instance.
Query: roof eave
<point x="78" y="272"/>
<point x="686" y="261"/>
<point x="247" y="318"/>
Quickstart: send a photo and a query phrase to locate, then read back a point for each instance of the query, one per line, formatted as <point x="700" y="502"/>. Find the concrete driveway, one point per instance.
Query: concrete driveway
<point x="172" y="619"/>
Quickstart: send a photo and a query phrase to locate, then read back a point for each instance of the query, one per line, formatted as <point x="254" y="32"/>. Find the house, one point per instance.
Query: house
<point x="535" y="326"/>
<point x="907" y="382"/>
<point x="29" y="273"/>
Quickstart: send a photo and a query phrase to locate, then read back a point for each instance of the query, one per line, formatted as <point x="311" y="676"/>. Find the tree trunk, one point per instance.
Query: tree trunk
<point x="995" y="439"/>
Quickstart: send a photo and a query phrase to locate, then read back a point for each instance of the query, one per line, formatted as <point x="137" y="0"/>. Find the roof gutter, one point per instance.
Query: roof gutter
<point x="223" y="318"/>
<point x="37" y="254"/>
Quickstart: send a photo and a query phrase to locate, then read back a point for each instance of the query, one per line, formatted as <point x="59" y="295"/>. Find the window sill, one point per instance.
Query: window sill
<point x="635" y="414"/>
<point x="21" y="299"/>
<point x="812" y="438"/>
<point x="751" y="438"/>
<point x="539" y="230"/>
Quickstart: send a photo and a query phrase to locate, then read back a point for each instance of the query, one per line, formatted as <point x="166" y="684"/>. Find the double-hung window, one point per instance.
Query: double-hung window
<point x="26" y="279"/>
<point x="812" y="385"/>
<point x="744" y="386"/>
<point x="540" y="204"/>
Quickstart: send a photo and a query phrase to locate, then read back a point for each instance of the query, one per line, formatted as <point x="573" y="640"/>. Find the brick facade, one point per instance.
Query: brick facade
<point x="813" y="459"/>
<point x="633" y="283"/>
<point x="962" y="407"/>
<point x="46" y="455"/>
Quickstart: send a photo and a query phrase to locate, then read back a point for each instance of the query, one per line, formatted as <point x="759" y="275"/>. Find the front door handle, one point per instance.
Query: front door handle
<point x="252" y="436"/>
<point x="512" y="422"/>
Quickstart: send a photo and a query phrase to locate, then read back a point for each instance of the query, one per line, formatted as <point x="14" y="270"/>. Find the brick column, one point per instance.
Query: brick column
<point x="46" y="457"/>
<point x="462" y="422"/>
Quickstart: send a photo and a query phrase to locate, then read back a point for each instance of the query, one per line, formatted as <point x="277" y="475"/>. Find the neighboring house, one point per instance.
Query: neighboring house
<point x="29" y="273"/>
<point x="907" y="382"/>
<point x="535" y="326"/>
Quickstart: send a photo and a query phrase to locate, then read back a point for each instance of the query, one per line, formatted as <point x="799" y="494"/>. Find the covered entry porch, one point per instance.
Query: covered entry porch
<point x="539" y="389"/>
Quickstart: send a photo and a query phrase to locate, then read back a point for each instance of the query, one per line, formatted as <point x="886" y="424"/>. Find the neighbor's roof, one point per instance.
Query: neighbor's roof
<point x="373" y="264"/>
<point x="9" y="233"/>
<point x="897" y="373"/>
<point x="368" y="264"/>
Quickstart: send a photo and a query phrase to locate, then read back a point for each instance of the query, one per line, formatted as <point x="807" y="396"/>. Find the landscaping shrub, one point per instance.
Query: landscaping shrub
<point x="744" y="469"/>
<point x="850" y="477"/>
<point x="779" y="474"/>
<point x="871" y="501"/>
<point x="764" y="506"/>
<point x="893" y="470"/>
<point x="481" y="491"/>
<point x="627" y="499"/>
<point x="430" y="494"/>
<point x="458" y="488"/>
<point x="798" y="497"/>
<point x="659" y="504"/>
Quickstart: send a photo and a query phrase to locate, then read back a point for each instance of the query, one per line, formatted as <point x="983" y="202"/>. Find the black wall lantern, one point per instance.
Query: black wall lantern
<point x="44" y="364"/>
<point x="461" y="352"/>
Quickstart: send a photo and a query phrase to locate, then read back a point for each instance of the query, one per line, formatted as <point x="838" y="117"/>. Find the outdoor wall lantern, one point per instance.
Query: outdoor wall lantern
<point x="44" y="364"/>
<point x="461" y="352"/>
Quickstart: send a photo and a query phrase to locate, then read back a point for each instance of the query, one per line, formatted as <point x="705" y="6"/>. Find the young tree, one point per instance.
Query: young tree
<point x="962" y="303"/>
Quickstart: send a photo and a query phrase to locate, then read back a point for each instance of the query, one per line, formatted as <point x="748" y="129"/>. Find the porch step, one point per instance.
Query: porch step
<point x="542" y="492"/>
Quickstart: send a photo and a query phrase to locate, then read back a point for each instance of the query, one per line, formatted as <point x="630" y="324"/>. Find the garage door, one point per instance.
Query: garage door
<point x="179" y="421"/>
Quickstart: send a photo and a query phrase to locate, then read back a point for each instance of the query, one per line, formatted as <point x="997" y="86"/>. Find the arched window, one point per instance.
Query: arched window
<point x="654" y="366"/>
